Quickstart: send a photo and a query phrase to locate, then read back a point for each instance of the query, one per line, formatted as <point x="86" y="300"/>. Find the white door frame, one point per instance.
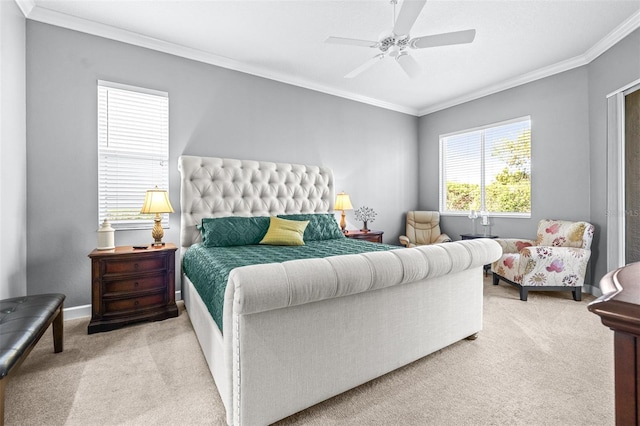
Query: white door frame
<point x="616" y="175"/>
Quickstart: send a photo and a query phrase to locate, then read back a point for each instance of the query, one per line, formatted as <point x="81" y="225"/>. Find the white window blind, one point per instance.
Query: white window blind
<point x="133" y="152"/>
<point x="487" y="169"/>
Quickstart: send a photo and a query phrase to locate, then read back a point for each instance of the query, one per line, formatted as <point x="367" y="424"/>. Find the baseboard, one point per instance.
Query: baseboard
<point x="76" y="312"/>
<point x="83" y="311"/>
<point x="591" y="289"/>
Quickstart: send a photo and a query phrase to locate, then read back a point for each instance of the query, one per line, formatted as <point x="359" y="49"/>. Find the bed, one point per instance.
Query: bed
<point x="298" y="332"/>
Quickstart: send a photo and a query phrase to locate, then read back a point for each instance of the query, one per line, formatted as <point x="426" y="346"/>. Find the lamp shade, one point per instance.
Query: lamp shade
<point x="343" y="202"/>
<point x="156" y="201"/>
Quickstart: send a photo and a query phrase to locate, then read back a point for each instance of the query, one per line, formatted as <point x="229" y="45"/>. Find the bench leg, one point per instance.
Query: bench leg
<point x="58" y="331"/>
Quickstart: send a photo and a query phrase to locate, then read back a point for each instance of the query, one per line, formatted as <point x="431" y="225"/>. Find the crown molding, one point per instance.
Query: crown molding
<point x="508" y="84"/>
<point x="26" y="6"/>
<point x="32" y="11"/>
<point x="51" y="17"/>
<point x="611" y="39"/>
<point x="618" y="33"/>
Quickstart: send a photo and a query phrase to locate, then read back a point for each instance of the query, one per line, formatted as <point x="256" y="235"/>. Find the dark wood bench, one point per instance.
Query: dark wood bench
<point x="23" y="321"/>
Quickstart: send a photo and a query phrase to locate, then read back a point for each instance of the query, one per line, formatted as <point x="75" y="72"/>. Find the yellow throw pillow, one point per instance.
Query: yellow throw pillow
<point x="283" y="232"/>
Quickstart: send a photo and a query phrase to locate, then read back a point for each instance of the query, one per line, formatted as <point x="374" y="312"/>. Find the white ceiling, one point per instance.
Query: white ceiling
<point x="516" y="41"/>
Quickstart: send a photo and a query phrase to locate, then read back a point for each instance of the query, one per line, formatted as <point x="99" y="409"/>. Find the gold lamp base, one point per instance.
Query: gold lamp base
<point x="157" y="232"/>
<point x="343" y="203"/>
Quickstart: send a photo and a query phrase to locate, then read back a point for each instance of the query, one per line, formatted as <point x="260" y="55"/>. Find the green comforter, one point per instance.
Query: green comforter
<point x="208" y="268"/>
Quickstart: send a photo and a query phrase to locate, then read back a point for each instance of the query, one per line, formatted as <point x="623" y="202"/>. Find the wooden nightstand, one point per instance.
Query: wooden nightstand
<point x="373" y="236"/>
<point x="130" y="285"/>
<point x="474" y="236"/>
<point x="486" y="268"/>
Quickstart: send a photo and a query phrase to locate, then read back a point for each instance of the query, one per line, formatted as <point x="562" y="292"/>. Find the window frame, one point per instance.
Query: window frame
<point x="160" y="173"/>
<point x="442" y="169"/>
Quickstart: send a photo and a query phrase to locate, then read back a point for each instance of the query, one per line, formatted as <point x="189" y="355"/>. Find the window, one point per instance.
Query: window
<point x="487" y="169"/>
<point x="133" y="152"/>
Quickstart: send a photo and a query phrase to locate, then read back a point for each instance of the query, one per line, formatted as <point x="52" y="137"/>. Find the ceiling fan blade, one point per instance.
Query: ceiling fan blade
<point x="365" y="66"/>
<point x="407" y="17"/>
<point x="351" y="42"/>
<point x="445" y="39"/>
<point x="409" y="65"/>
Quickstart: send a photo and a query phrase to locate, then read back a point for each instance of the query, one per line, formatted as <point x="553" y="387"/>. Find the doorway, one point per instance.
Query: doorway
<point x="623" y="176"/>
<point x="632" y="176"/>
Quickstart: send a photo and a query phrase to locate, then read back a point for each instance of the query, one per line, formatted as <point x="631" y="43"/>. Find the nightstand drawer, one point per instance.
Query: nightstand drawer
<point x="372" y="236"/>
<point x="118" y="306"/>
<point x="139" y="264"/>
<point x="135" y="284"/>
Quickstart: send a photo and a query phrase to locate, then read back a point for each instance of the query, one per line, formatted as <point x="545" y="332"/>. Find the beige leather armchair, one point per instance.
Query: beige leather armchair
<point x="423" y="227"/>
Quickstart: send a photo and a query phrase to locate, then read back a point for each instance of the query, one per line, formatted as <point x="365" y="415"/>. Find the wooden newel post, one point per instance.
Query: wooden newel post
<point x="619" y="309"/>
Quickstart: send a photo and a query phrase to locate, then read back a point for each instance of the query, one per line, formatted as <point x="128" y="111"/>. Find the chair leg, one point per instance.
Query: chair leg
<point x="577" y="294"/>
<point x="496" y="279"/>
<point x="58" y="331"/>
<point x="524" y="292"/>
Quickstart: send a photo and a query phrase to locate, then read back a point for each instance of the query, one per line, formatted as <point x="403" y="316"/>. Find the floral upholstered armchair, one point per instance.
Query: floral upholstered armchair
<point x="423" y="227"/>
<point x="556" y="260"/>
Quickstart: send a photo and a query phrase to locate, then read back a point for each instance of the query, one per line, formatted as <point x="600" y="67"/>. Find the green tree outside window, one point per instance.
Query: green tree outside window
<point x="488" y="169"/>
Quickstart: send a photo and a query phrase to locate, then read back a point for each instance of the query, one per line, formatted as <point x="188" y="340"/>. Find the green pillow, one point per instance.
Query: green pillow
<point x="284" y="232"/>
<point x="233" y="230"/>
<point x="322" y="226"/>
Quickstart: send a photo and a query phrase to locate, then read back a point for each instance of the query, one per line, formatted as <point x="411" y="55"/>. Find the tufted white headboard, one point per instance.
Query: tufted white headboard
<point x="218" y="187"/>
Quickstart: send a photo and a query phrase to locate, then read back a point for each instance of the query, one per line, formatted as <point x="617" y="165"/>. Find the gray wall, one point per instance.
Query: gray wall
<point x="13" y="153"/>
<point x="213" y="111"/>
<point x="613" y="70"/>
<point x="569" y="146"/>
<point x="559" y="149"/>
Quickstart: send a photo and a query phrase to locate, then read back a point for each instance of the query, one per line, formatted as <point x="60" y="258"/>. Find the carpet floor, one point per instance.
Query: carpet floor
<point x="547" y="361"/>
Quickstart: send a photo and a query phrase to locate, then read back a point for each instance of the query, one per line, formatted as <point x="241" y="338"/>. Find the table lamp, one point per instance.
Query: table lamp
<point x="157" y="201"/>
<point x="343" y="203"/>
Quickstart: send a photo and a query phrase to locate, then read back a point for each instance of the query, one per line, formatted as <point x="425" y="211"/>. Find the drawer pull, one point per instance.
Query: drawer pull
<point x="136" y="284"/>
<point x="136" y="303"/>
<point x="136" y="266"/>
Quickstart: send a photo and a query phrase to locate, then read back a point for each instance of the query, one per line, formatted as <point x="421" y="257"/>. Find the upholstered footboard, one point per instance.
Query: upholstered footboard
<point x="299" y="332"/>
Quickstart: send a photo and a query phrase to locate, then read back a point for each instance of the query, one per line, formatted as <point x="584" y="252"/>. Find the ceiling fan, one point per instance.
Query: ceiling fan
<point x="397" y="42"/>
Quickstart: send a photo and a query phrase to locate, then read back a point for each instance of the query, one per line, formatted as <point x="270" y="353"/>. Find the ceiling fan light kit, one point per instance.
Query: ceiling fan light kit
<point x="395" y="43"/>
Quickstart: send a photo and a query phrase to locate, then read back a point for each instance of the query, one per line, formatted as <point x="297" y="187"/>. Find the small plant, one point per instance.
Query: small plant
<point x="366" y="215"/>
